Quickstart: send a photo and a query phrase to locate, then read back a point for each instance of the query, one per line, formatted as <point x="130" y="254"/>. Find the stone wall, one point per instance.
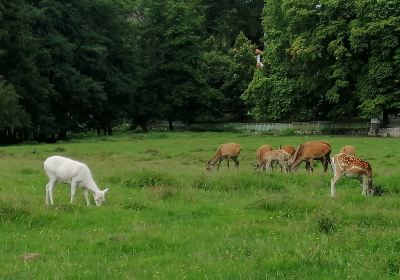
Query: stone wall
<point x="385" y="132"/>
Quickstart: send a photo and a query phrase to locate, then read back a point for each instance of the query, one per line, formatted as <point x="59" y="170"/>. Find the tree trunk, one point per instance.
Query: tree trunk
<point x="385" y="118"/>
<point x="143" y="125"/>
<point x="109" y="130"/>
<point x="62" y="135"/>
<point x="170" y="125"/>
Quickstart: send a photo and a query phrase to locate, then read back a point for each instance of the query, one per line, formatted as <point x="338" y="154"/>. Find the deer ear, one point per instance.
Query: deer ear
<point x="106" y="190"/>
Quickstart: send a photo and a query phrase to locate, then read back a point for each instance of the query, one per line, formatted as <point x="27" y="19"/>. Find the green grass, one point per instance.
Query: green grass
<point x="165" y="217"/>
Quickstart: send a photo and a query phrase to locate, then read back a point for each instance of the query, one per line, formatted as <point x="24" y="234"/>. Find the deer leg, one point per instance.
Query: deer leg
<point x="333" y="184"/>
<point x="49" y="191"/>
<point x="310" y="166"/>
<point x="268" y="165"/>
<point x="227" y="162"/>
<point x="284" y="164"/>
<point x="236" y="162"/>
<point x="364" y="185"/>
<point x="47" y="194"/>
<point x="86" y="193"/>
<point x="325" y="163"/>
<point x="219" y="163"/>
<point x="73" y="189"/>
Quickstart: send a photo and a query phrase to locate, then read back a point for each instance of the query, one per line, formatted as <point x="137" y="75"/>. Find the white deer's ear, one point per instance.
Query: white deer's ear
<point x="106" y="190"/>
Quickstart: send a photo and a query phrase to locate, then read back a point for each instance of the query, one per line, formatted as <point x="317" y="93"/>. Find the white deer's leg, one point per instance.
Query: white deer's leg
<point x="49" y="190"/>
<point x="73" y="189"/>
<point x="47" y="195"/>
<point x="86" y="193"/>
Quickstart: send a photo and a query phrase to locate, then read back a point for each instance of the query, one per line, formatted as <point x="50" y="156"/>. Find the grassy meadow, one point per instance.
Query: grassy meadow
<point x="166" y="217"/>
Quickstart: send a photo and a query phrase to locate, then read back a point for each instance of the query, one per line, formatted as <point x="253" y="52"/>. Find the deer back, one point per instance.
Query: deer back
<point x="352" y="165"/>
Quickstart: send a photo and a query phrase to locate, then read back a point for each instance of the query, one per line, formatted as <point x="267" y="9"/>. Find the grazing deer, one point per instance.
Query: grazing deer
<point x="310" y="151"/>
<point x="72" y="172"/>
<point x="351" y="166"/>
<point x="279" y="156"/>
<point x="350" y="150"/>
<point x="262" y="150"/>
<point x="225" y="151"/>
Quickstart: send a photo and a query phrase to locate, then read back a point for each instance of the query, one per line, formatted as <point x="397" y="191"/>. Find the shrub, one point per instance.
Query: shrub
<point x="379" y="190"/>
<point x="326" y="224"/>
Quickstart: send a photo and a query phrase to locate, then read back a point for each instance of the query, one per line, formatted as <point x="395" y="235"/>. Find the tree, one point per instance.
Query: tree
<point x="12" y="115"/>
<point x="374" y="39"/>
<point x="333" y="60"/>
<point x="225" y="19"/>
<point x="228" y="72"/>
<point x="169" y="33"/>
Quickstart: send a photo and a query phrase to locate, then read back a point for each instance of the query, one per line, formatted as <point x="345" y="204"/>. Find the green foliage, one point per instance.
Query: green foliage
<point x="326" y="223"/>
<point x="269" y="97"/>
<point x="12" y="114"/>
<point x="339" y="56"/>
<point x="228" y="72"/>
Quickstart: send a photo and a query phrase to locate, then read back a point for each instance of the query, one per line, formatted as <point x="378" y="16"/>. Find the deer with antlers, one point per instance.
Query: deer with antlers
<point x="348" y="165"/>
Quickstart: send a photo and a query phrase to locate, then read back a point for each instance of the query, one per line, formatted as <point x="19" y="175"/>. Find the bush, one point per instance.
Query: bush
<point x="379" y="190"/>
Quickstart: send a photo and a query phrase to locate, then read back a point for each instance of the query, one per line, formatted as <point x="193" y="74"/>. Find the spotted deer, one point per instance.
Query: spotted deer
<point x="350" y="166"/>
<point x="276" y="156"/>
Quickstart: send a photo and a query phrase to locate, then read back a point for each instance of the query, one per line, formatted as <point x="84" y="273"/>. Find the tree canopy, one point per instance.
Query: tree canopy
<point x="68" y="66"/>
<point x="332" y="59"/>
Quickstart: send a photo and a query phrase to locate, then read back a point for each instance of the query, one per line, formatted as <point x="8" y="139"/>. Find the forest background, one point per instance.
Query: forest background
<point x="72" y="66"/>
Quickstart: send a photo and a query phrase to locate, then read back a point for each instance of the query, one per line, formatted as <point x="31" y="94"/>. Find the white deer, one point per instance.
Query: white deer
<point x="348" y="165"/>
<point x="71" y="172"/>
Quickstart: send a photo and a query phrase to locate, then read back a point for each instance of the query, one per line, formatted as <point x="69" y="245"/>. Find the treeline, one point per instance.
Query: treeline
<point x="69" y="66"/>
<point x="328" y="60"/>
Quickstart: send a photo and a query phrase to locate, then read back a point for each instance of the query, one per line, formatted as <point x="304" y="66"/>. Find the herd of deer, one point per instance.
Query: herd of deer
<point x="343" y="164"/>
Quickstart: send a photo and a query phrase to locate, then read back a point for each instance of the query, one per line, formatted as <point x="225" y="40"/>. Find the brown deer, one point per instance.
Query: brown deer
<point x="276" y="156"/>
<point x="310" y="163"/>
<point x="262" y="150"/>
<point x="348" y="165"/>
<point x="350" y="150"/>
<point x="310" y="151"/>
<point x="225" y="151"/>
<point x="289" y="149"/>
